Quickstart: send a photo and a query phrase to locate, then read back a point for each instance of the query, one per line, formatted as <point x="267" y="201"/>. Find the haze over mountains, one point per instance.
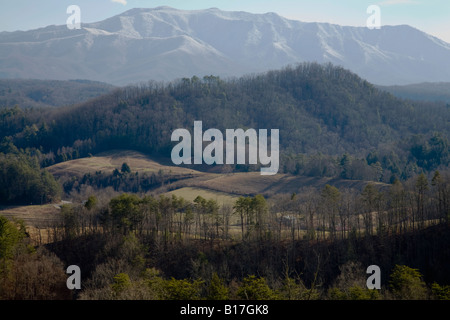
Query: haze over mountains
<point x="166" y="43"/>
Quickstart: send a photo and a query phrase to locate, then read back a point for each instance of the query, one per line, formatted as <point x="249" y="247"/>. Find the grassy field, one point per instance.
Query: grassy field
<point x="233" y="184"/>
<point x="190" y="194"/>
<point x="37" y="219"/>
<point x="108" y="161"/>
<point x="225" y="188"/>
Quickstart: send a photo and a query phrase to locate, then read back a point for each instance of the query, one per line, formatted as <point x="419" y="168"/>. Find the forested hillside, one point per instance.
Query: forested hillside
<point x="332" y="123"/>
<point x="312" y="243"/>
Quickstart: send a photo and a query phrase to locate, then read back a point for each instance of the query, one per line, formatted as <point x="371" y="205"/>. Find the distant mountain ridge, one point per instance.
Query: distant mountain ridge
<point x="48" y="93"/>
<point x="165" y="43"/>
<point x="439" y="91"/>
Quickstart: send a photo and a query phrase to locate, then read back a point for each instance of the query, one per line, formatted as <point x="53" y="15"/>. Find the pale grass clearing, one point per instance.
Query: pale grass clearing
<point x="190" y="193"/>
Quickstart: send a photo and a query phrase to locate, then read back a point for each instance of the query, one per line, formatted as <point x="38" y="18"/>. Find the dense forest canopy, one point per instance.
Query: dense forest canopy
<point x="332" y="123"/>
<point x="22" y="180"/>
<point x="312" y="245"/>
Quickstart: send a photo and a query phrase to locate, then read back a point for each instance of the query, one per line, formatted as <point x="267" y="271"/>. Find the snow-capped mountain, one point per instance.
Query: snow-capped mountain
<point x="165" y="43"/>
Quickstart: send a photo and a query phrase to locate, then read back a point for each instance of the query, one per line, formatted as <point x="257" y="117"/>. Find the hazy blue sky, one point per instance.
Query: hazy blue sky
<point x="431" y="16"/>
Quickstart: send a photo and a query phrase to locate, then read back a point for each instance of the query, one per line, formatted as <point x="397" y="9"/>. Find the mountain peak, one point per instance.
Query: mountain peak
<point x="165" y="43"/>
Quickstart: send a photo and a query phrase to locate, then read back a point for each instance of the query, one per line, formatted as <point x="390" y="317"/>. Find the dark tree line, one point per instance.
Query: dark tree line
<point x="23" y="181"/>
<point x="317" y="241"/>
<point x="120" y="267"/>
<point x="327" y="214"/>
